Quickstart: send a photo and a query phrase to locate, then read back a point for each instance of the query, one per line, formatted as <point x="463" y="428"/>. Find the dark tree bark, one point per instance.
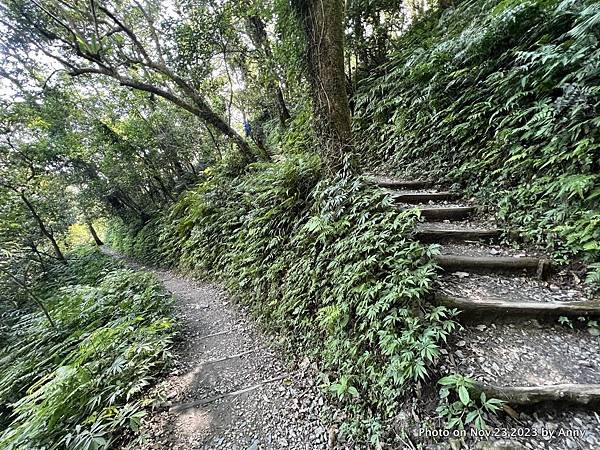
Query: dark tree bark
<point x="362" y="55"/>
<point x="323" y="22"/>
<point x="92" y="230"/>
<point x="37" y="253"/>
<point x="43" y="228"/>
<point x="445" y="4"/>
<point x="258" y="34"/>
<point x="284" y="113"/>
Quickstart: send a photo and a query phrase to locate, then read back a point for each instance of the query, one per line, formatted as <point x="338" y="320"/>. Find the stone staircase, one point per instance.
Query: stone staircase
<point x="511" y="344"/>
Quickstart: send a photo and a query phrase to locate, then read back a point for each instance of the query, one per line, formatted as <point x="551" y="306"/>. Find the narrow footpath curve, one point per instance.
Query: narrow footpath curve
<point x="230" y="389"/>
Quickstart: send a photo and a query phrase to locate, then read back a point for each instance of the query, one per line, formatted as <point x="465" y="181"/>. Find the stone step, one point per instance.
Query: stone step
<point x="423" y="197"/>
<point x="497" y="307"/>
<point x="491" y="287"/>
<point x="532" y="265"/>
<point x="527" y="362"/>
<point x="446" y="213"/>
<point x="439" y="234"/>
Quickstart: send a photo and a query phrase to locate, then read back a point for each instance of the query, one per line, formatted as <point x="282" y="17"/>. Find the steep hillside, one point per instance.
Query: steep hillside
<point x="330" y="265"/>
<point x="501" y="97"/>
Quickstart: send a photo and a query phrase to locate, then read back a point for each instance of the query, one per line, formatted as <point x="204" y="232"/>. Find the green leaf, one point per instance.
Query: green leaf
<point x="448" y="381"/>
<point x="463" y="394"/>
<point x="471" y="416"/>
<point x="480" y="423"/>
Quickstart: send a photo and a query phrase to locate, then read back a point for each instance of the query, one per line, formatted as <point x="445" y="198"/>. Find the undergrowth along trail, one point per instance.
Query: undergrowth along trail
<point x="526" y="362"/>
<point x="231" y="388"/>
<point x="500" y="97"/>
<point x="80" y="381"/>
<point x="329" y="265"/>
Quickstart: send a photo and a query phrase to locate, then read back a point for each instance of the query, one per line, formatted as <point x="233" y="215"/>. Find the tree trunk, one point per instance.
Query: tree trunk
<point x="97" y="240"/>
<point x="29" y="292"/>
<point x="362" y="56"/>
<point x="284" y="113"/>
<point x="45" y="231"/>
<point x="38" y="254"/>
<point x="323" y="22"/>
<point x="258" y="34"/>
<point x="200" y="109"/>
<point x="445" y="4"/>
<point x="168" y="196"/>
<point x="80" y="60"/>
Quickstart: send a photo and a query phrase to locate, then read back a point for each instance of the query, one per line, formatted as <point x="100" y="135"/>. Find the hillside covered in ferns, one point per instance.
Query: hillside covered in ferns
<point x="292" y="224"/>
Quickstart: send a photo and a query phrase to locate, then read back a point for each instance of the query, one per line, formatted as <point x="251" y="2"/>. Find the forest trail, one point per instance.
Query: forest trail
<point x="230" y="389"/>
<point x="511" y="344"/>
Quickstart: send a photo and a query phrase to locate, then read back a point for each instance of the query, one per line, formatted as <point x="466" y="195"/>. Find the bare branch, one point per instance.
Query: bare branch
<point x="127" y="31"/>
<point x="152" y="31"/>
<point x="54" y="18"/>
<point x="95" y="18"/>
<point x="7" y="76"/>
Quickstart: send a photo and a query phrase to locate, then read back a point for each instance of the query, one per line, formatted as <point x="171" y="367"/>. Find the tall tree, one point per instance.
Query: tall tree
<point x="257" y="30"/>
<point x="370" y="26"/>
<point x="323" y="24"/>
<point x="116" y="39"/>
<point x="33" y="199"/>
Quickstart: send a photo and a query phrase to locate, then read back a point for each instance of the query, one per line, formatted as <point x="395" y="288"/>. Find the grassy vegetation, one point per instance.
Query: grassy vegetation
<point x="194" y="133"/>
<point x="80" y="383"/>
<point x="501" y="97"/>
<point x="327" y="263"/>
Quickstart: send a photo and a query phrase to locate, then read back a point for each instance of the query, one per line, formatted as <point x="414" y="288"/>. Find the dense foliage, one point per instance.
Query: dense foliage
<point x="502" y="97"/>
<point x="328" y="263"/>
<point x="78" y="382"/>
<point x="189" y="126"/>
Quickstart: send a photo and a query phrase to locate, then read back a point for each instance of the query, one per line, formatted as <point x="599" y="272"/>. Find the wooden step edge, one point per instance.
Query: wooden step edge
<point x="446" y="213"/>
<point x="423" y="197"/>
<point x="505" y="263"/>
<point x="497" y="307"/>
<point x="400" y="184"/>
<point x="425" y="234"/>
<point x="576" y="394"/>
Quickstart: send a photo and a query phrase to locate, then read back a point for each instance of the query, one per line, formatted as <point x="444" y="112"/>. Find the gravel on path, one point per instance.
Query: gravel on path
<point x="221" y="351"/>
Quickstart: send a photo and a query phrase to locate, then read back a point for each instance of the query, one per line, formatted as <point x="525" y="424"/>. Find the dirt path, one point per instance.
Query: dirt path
<point x="230" y="389"/>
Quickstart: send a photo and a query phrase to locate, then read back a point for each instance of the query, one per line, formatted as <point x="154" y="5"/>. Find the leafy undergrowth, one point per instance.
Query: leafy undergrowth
<point x="327" y="263"/>
<point x="79" y="384"/>
<point x="503" y="98"/>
